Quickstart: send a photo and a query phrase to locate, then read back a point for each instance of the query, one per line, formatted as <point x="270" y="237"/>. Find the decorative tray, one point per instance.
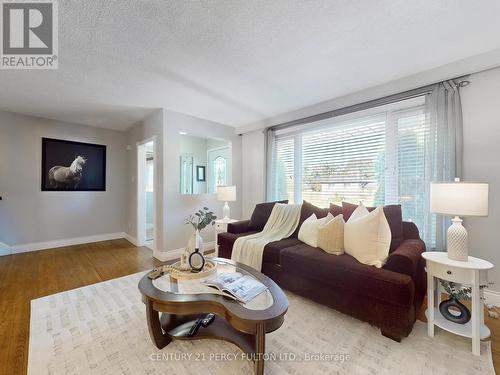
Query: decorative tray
<point x="177" y="272"/>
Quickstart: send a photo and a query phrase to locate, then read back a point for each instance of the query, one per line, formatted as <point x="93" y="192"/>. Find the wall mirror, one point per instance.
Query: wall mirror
<point x="205" y="163"/>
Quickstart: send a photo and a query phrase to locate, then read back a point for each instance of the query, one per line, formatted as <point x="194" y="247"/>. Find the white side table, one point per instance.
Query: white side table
<point x="221" y="227"/>
<point x="472" y="273"/>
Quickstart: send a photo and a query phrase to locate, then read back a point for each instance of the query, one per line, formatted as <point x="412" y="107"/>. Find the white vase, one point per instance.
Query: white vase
<point x="192" y="242"/>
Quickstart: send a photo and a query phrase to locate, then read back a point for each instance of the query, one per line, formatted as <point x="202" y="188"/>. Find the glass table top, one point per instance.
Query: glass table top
<point x="166" y="283"/>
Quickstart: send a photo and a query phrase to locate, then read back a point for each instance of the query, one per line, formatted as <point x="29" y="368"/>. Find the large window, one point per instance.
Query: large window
<point x="377" y="157"/>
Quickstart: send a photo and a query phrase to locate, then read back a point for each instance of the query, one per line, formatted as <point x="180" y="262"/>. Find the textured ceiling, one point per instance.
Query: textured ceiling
<point x="239" y="61"/>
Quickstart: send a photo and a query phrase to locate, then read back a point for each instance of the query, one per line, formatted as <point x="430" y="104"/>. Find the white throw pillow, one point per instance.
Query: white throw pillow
<point x="308" y="232"/>
<point x="367" y="236"/>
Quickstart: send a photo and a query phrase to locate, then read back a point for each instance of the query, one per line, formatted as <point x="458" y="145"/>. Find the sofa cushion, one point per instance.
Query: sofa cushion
<point x="260" y="214"/>
<point x="393" y="215"/>
<point x="309" y="229"/>
<point x="308" y="209"/>
<point x="345" y="272"/>
<point x="336" y="210"/>
<point x="273" y="250"/>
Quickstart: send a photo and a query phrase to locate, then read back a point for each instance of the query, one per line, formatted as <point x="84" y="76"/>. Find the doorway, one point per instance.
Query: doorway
<point x="146" y="193"/>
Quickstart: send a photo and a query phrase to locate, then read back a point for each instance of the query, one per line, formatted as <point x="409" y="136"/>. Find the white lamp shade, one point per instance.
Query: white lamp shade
<point x="226" y="193"/>
<point x="459" y="198"/>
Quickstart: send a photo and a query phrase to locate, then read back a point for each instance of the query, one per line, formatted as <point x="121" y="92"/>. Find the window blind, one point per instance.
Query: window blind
<point x="342" y="163"/>
<point x="283" y="169"/>
<point x="377" y="157"/>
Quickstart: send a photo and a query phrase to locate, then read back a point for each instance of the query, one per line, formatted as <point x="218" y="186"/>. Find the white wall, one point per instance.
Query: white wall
<point x="481" y="111"/>
<point x="30" y="216"/>
<point x="177" y="206"/>
<point x="254" y="166"/>
<point x="152" y="126"/>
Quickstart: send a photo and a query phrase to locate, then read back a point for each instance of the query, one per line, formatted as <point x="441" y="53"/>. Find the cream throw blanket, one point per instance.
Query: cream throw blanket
<point x="281" y="224"/>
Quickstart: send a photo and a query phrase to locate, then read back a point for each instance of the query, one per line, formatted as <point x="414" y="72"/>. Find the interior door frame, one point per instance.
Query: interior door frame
<point x="141" y="198"/>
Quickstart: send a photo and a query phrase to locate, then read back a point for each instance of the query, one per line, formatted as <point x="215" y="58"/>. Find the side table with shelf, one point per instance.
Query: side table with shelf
<point x="472" y="273"/>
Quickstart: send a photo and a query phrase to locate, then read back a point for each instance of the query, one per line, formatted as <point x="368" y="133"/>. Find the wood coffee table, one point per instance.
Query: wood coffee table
<point x="245" y="325"/>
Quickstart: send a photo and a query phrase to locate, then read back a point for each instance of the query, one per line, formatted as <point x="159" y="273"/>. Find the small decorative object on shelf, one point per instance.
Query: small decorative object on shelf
<point x="456" y="293"/>
<point x="193" y="254"/>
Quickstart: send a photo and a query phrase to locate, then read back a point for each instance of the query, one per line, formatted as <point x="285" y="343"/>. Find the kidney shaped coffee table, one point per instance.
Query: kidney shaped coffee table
<point x="182" y="302"/>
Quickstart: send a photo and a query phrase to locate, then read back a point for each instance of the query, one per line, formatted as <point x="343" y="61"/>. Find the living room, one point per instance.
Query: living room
<point x="249" y="187"/>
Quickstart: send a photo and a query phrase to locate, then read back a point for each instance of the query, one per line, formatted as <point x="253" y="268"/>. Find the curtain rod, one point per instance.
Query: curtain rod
<point x="389" y="99"/>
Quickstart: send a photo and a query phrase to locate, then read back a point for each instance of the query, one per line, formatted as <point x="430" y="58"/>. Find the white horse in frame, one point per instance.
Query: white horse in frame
<point x="67" y="176"/>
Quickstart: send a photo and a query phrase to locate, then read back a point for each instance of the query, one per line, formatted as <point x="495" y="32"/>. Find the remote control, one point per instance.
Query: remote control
<point x="208" y="320"/>
<point x="156" y="273"/>
<point x="196" y="326"/>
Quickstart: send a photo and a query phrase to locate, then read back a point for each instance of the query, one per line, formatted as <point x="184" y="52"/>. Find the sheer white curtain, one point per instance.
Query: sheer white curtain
<point x="270" y="139"/>
<point x="443" y="150"/>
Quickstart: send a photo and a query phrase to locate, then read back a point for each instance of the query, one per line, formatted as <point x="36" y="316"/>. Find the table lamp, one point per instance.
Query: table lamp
<point x="459" y="199"/>
<point x="226" y="194"/>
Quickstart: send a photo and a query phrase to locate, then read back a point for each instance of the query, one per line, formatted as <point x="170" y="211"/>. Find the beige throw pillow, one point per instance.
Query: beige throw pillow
<point x="308" y="232"/>
<point x="331" y="236"/>
<point x="367" y="236"/>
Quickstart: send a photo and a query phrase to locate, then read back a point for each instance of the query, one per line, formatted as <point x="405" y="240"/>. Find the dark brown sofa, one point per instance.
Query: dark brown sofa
<point x="389" y="297"/>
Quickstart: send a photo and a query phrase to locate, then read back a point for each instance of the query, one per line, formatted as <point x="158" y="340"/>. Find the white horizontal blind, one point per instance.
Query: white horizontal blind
<point x="283" y="169"/>
<point x="345" y="162"/>
<point x="377" y="158"/>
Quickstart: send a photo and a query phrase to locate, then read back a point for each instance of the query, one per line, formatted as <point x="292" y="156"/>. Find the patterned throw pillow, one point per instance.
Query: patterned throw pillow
<point x="308" y="232"/>
<point x="331" y="236"/>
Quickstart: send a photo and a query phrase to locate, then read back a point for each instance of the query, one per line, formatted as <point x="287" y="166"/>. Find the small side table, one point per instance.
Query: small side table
<point x="472" y="273"/>
<point x="221" y="227"/>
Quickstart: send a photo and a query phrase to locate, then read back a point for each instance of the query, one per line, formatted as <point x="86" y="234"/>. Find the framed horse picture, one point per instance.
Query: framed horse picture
<point x="73" y="166"/>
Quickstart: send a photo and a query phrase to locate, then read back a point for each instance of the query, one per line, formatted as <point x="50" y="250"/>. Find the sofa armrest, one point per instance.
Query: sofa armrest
<point x="238" y="227"/>
<point x="407" y="259"/>
<point x="410" y="231"/>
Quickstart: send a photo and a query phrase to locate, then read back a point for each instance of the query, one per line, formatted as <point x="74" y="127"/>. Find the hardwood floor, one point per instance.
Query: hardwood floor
<point x="27" y="276"/>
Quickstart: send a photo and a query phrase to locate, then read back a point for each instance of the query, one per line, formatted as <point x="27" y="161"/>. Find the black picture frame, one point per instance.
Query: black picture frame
<point x="200" y="173"/>
<point x="87" y="174"/>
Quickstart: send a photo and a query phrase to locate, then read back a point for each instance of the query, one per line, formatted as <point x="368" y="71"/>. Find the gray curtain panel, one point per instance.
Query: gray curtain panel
<point x="444" y="146"/>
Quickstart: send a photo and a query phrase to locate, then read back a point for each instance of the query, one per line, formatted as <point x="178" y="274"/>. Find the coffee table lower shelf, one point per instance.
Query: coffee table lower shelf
<point x="176" y="327"/>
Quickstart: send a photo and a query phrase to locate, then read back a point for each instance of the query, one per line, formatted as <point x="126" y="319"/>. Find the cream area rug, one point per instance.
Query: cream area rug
<point x="101" y="329"/>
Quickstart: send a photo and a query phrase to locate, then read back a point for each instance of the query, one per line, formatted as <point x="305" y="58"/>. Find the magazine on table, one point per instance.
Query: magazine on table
<point x="236" y="286"/>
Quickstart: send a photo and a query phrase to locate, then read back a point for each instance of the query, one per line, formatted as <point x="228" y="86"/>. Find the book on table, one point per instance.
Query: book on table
<point x="237" y="286"/>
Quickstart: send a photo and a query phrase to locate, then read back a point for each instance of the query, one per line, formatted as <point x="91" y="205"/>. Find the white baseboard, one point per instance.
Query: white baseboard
<point x="131" y="239"/>
<point x="492" y="297"/>
<point x="16" y="249"/>
<point x="164" y="256"/>
<point x="4" y="249"/>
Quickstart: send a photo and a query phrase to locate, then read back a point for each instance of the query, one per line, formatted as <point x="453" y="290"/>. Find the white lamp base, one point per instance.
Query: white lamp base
<point x="457" y="241"/>
<point x="226" y="211"/>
